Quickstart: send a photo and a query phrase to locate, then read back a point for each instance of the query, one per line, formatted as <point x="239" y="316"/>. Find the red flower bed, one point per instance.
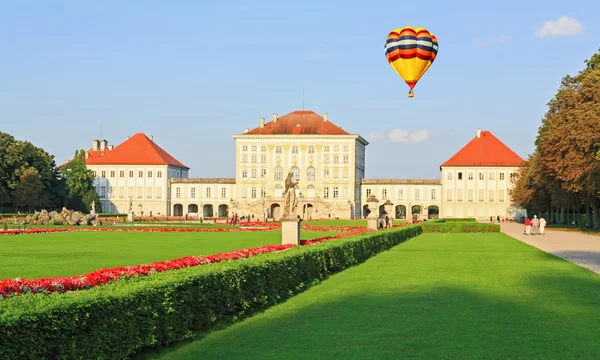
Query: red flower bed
<point x="15" y="287"/>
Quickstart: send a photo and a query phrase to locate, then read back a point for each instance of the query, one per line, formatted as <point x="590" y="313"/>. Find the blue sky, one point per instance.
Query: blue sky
<point x="192" y="73"/>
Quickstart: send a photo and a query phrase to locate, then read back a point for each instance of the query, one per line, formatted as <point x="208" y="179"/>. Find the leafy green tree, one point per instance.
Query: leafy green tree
<point x="30" y="191"/>
<point x="79" y="184"/>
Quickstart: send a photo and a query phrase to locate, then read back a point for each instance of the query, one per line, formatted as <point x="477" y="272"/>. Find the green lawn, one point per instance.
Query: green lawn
<point x="76" y="253"/>
<point x="438" y="296"/>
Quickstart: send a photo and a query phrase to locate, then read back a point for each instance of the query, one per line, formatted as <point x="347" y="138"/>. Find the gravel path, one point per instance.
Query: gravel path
<point x="576" y="247"/>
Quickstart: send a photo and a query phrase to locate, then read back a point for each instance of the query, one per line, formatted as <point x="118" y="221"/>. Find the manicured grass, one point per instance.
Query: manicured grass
<point x="76" y="253"/>
<point x="438" y="296"/>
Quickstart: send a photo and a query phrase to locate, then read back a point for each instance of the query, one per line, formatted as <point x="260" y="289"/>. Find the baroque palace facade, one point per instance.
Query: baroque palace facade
<point x="328" y="162"/>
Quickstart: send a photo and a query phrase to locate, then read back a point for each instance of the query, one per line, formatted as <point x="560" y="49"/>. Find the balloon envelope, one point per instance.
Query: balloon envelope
<point x="411" y="51"/>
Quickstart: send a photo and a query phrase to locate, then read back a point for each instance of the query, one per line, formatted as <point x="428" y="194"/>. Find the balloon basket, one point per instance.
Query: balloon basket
<point x="411" y="94"/>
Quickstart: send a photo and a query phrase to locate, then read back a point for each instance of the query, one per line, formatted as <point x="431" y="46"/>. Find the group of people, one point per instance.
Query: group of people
<point x="234" y="219"/>
<point x="499" y="219"/>
<point x="381" y="221"/>
<point x="535" y="226"/>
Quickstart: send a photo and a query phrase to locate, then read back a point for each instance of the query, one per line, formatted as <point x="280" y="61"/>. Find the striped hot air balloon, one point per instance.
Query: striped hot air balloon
<point x="411" y="51"/>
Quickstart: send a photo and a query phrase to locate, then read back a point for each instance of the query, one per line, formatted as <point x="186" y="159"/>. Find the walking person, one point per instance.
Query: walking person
<point x="387" y="222"/>
<point x="542" y="226"/>
<point x="535" y="225"/>
<point x="380" y="223"/>
<point x="527" y="226"/>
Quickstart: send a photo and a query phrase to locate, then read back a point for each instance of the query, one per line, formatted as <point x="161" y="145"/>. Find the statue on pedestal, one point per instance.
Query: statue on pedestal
<point x="290" y="200"/>
<point x="93" y="207"/>
<point x="130" y="205"/>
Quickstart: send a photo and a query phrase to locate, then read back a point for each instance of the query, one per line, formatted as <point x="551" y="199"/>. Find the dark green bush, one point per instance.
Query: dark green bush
<point x="460" y="220"/>
<point x="117" y="320"/>
<point x="458" y="227"/>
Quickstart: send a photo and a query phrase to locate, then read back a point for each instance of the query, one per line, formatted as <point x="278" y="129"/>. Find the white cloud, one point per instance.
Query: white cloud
<point x="498" y="39"/>
<point x="374" y="136"/>
<point x="564" y="26"/>
<point x="403" y="136"/>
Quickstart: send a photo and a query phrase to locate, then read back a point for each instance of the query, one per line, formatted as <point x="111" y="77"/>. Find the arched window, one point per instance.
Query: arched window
<point x="310" y="173"/>
<point x="310" y="191"/>
<point x="295" y="173"/>
<point x="278" y="191"/>
<point x="278" y="173"/>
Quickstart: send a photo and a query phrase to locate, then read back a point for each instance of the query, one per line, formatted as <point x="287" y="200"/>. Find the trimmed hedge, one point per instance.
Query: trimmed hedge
<point x="458" y="220"/>
<point x="117" y="320"/>
<point x="458" y="227"/>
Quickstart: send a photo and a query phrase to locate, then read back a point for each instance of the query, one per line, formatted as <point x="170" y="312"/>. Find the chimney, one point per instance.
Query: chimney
<point x="275" y="117"/>
<point x="478" y="133"/>
<point x="262" y="123"/>
<point x="325" y="117"/>
<point x="151" y="137"/>
<point x="87" y="154"/>
<point x="103" y="145"/>
<point x="110" y="147"/>
<point x="128" y="137"/>
<point x="246" y="130"/>
<point x="95" y="145"/>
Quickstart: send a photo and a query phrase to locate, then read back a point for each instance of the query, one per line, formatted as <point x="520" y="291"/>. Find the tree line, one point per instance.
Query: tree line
<point x="561" y="179"/>
<point x="30" y="179"/>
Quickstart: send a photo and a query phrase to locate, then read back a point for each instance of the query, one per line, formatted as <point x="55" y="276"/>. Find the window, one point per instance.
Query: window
<point x="224" y="193"/>
<point x="149" y="192"/>
<point x="326" y="159"/>
<point x="346" y="172"/>
<point x="311" y="149"/>
<point x="310" y="173"/>
<point x="491" y="175"/>
<point x="449" y="195"/>
<point x="253" y="158"/>
<point x="326" y="148"/>
<point x="263" y="173"/>
<point x="383" y="194"/>
<point x="294" y="149"/>
<point x="121" y="192"/>
<point x="103" y="192"/>
<point x="368" y="192"/>
<point x="336" y="159"/>
<point x="310" y="191"/>
<point x="336" y="173"/>
<point x="208" y="192"/>
<point x="459" y="176"/>
<point x="253" y="147"/>
<point x="130" y="173"/>
<point x="459" y="196"/>
<point x="501" y="176"/>
<point x="95" y="173"/>
<point x="326" y="192"/>
<point x="263" y="148"/>
<point x="177" y="192"/>
<point x="481" y="176"/>
<point x="111" y="192"/>
<point x="278" y="191"/>
<point x="254" y="192"/>
<point x="278" y="174"/>
<point x="513" y="176"/>
<point x="470" y="195"/>
<point x="491" y="195"/>
<point x="103" y="174"/>
<point x="130" y="192"/>
<point x="345" y="159"/>
<point x="336" y="192"/>
<point x="244" y="174"/>
<point x="400" y="194"/>
<point x="278" y="149"/>
<point x="263" y="192"/>
<point x="481" y="199"/>
<point x="345" y="148"/>
<point x="149" y="174"/>
<point x="112" y="173"/>
<point x="122" y="173"/>
<point x="193" y="193"/>
<point x="140" y="192"/>
<point x="253" y="173"/>
<point x="245" y="148"/>
<point x="417" y="194"/>
<point x="140" y="174"/>
<point x="470" y="176"/>
<point x="432" y="194"/>
<point x="244" y="158"/>
<point x="501" y="195"/>
<point x="295" y="173"/>
<point x="345" y="192"/>
<point x="326" y="173"/>
<point x="263" y="159"/>
<point x="449" y="176"/>
<point x="159" y="193"/>
<point x="336" y="148"/>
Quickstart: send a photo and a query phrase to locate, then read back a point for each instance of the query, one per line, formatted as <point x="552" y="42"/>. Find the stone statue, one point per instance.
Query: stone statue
<point x="290" y="200"/>
<point x="130" y="205"/>
<point x="93" y="207"/>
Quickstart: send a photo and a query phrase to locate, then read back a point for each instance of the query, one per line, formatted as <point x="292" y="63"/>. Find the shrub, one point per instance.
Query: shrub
<point x="458" y="227"/>
<point x="460" y="220"/>
<point x="118" y="319"/>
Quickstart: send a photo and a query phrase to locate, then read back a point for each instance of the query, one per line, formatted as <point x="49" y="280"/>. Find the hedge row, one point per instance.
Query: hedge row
<point x="117" y="320"/>
<point x="457" y="220"/>
<point x="458" y="227"/>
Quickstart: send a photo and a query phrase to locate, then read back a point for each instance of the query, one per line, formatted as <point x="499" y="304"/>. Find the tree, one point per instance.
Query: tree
<point x="79" y="184"/>
<point x="30" y="191"/>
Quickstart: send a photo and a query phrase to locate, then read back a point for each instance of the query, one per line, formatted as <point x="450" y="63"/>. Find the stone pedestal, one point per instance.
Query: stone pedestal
<point x="372" y="218"/>
<point x="130" y="216"/>
<point x="290" y="231"/>
<point x="389" y="209"/>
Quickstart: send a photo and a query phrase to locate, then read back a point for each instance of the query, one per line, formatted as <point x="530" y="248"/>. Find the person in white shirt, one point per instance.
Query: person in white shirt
<point x="542" y="226"/>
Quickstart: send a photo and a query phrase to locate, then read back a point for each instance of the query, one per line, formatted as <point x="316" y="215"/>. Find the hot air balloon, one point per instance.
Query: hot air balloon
<point x="411" y="51"/>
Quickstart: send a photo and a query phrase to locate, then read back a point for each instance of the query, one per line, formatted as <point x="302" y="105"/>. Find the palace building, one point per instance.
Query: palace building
<point x="327" y="161"/>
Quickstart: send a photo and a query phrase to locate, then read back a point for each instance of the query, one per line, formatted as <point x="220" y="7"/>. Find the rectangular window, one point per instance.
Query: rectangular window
<point x="513" y="176"/>
<point x="122" y="173"/>
<point x="244" y="158"/>
<point x="345" y="192"/>
<point x="501" y="176"/>
<point x="491" y="195"/>
<point x="491" y="176"/>
<point x="112" y="173"/>
<point x="368" y="192"/>
<point x="130" y="173"/>
<point x="253" y="173"/>
<point x="140" y="174"/>
<point x="149" y="192"/>
<point x="400" y="194"/>
<point x="208" y="192"/>
<point x="449" y="176"/>
<point x="326" y="159"/>
<point x="253" y="147"/>
<point x="244" y="174"/>
<point x="159" y="174"/>
<point x="111" y="192"/>
<point x="311" y="149"/>
<point x="326" y="173"/>
<point x="177" y="192"/>
<point x="336" y="173"/>
<point x="470" y="176"/>
<point x="449" y="195"/>
<point x="459" y="196"/>
<point x="294" y="149"/>
<point x="336" y="192"/>
<point x="140" y="192"/>
<point x="224" y="193"/>
<point x="149" y="174"/>
<point x="345" y="148"/>
<point x="263" y="159"/>
<point x="346" y="173"/>
<point x="278" y="149"/>
<point x="346" y="159"/>
<point x="103" y="173"/>
<point x="263" y="148"/>
<point x="263" y="173"/>
<point x="336" y="148"/>
<point x="103" y="192"/>
<point x="336" y="159"/>
<point x="159" y="193"/>
<point x="130" y="192"/>
<point x="501" y="195"/>
<point x="470" y="195"/>
<point x="432" y="194"/>
<point x="254" y="192"/>
<point x="481" y="194"/>
<point x="417" y="194"/>
<point x="326" y="192"/>
<point x="245" y="148"/>
<point x="254" y="158"/>
<point x="459" y="176"/>
<point x="95" y="173"/>
<point x="383" y="194"/>
<point x="193" y="193"/>
<point x="481" y="176"/>
<point x="326" y="148"/>
<point x="121" y="192"/>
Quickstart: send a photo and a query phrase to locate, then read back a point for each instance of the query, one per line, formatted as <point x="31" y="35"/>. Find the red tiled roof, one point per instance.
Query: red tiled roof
<point x="299" y="122"/>
<point x="485" y="150"/>
<point x="137" y="150"/>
